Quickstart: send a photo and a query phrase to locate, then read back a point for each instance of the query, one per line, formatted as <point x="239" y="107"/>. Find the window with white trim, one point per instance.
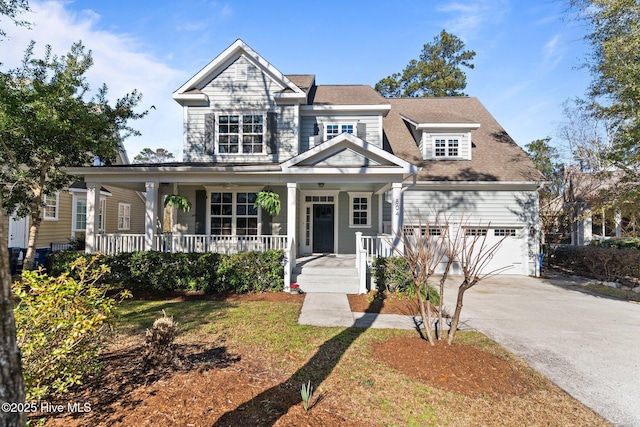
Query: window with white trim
<point x="335" y="129"/>
<point x="79" y="214"/>
<point x="446" y="146"/>
<point x="359" y="209"/>
<point x="50" y="211"/>
<point x="240" y="133"/>
<point x="124" y="216"/>
<point x="234" y="214"/>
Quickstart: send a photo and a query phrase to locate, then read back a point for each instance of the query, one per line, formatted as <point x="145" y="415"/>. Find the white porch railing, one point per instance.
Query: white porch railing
<point x="112" y="244"/>
<point x="367" y="249"/>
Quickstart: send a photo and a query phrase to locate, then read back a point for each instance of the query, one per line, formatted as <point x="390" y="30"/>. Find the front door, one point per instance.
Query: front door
<point x="18" y="232"/>
<point x="323" y="228"/>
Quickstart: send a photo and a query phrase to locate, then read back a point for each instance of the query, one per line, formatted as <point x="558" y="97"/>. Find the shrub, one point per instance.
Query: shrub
<point x="618" y="243"/>
<point x="209" y="272"/>
<point x="392" y="275"/>
<point x="253" y="272"/>
<point x="159" y="349"/>
<point x="61" y="324"/>
<point x="602" y="263"/>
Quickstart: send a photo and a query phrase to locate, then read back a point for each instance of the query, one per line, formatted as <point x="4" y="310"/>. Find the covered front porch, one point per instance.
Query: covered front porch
<point x="335" y="198"/>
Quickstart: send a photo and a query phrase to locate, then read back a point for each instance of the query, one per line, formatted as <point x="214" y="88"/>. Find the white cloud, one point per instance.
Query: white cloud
<point x="553" y="52"/>
<point x="469" y="16"/>
<point x="118" y="61"/>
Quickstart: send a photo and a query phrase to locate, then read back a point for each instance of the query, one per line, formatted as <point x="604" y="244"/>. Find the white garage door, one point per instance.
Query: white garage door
<point x="508" y="258"/>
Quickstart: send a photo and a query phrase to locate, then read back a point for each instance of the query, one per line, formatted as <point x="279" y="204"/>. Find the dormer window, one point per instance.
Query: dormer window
<point x="446" y="146"/>
<point x="333" y="130"/>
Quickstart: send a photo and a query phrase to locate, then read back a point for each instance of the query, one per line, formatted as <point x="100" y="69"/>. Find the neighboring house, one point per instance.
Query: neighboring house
<point x="65" y="216"/>
<point x="349" y="165"/>
<point x="589" y="206"/>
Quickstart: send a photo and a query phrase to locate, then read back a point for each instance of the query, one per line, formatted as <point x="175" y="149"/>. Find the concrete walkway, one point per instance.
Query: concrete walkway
<point x="332" y="309"/>
<point x="587" y="345"/>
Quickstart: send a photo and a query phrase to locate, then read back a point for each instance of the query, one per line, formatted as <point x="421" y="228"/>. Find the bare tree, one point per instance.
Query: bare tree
<point x="422" y="252"/>
<point x="474" y="257"/>
<point x="451" y="249"/>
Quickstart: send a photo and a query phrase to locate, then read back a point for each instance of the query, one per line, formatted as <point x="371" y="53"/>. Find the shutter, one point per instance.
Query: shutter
<point x="361" y="131"/>
<point x="209" y="130"/>
<point x="272" y="132"/>
<point x="318" y="132"/>
<point x="201" y="212"/>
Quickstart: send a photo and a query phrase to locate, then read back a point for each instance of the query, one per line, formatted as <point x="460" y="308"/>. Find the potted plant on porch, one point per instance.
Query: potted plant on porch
<point x="269" y="201"/>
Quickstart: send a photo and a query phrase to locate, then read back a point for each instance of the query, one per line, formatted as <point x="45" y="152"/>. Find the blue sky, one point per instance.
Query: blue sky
<point x="527" y="63"/>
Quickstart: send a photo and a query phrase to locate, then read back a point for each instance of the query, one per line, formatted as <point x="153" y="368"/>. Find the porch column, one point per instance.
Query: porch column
<point x="397" y="213"/>
<point x="151" y="214"/>
<point x="292" y="199"/>
<point x="93" y="215"/>
<point x="618" y="221"/>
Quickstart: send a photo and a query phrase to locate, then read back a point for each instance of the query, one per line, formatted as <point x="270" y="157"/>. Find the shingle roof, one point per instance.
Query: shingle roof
<point x="345" y="95"/>
<point x="495" y="155"/>
<point x="303" y="81"/>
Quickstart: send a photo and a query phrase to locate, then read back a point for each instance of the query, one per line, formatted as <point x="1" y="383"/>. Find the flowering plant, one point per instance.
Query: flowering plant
<point x="294" y="287"/>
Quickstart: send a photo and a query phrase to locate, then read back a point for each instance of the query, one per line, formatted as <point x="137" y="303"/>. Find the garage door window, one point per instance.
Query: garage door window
<point x="502" y="232"/>
<point x="476" y="232"/>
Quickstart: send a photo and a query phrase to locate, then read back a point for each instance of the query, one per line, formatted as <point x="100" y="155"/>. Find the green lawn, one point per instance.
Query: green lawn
<point x="339" y="363"/>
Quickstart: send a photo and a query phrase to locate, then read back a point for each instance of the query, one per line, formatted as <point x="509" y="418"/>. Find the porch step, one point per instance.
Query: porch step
<point x="326" y="279"/>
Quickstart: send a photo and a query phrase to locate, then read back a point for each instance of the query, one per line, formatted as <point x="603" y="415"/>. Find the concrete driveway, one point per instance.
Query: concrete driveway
<point x="587" y="345"/>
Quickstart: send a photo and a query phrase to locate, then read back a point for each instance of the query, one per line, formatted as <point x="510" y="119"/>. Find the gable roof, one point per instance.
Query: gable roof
<point x="495" y="155"/>
<point x="356" y="148"/>
<point x="190" y="91"/>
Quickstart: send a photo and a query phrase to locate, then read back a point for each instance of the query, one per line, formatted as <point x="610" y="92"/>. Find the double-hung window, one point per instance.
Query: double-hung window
<point x="446" y="146"/>
<point x="359" y="210"/>
<point x="79" y="220"/>
<point x="50" y="211"/>
<point x="240" y="133"/>
<point x="333" y="130"/>
<point x="124" y="216"/>
<point x="234" y="214"/>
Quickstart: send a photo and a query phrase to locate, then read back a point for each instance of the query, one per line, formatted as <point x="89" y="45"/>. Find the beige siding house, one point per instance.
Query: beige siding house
<point x="350" y="167"/>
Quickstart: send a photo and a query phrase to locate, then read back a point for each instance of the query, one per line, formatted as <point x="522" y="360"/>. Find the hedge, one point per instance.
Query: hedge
<point x="602" y="263"/>
<point x="618" y="243"/>
<point x="392" y="275"/>
<point x="209" y="272"/>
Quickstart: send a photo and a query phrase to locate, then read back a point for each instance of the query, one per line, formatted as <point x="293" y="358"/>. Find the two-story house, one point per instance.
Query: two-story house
<point x="349" y="166"/>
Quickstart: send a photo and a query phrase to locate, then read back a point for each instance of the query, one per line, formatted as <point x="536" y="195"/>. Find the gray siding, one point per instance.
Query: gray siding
<point x="187" y="220"/>
<point x="497" y="207"/>
<point x="347" y="157"/>
<point x="346" y="234"/>
<point x="308" y="125"/>
<point x="231" y="96"/>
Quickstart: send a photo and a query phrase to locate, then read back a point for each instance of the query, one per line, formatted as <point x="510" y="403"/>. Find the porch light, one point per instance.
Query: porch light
<point x="321" y="184"/>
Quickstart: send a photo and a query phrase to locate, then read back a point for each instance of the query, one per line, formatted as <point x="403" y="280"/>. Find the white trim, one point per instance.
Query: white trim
<point x="56" y="207"/>
<point x="126" y="216"/>
<point x="102" y="212"/>
<point x="240" y="131"/>
<point x="237" y="49"/>
<point x="352" y="195"/>
<point x="347" y="140"/>
<point x="304" y="204"/>
<point x="340" y="125"/>
<point x="461" y="126"/>
<point x="234" y="190"/>
<point x="447" y="138"/>
<point x="310" y="110"/>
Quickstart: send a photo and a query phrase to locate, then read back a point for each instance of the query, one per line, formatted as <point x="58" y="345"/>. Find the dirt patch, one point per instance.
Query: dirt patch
<point x="457" y="368"/>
